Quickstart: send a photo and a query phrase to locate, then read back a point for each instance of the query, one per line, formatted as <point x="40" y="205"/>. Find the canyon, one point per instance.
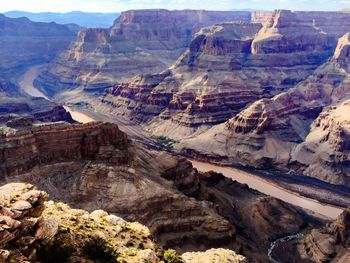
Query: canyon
<point x="327" y="244"/>
<point x="24" y="44"/>
<point x="139" y="42"/>
<point x="226" y="68"/>
<point x="104" y="120"/>
<point x="304" y="130"/>
<point x="229" y="74"/>
<point x="95" y="166"/>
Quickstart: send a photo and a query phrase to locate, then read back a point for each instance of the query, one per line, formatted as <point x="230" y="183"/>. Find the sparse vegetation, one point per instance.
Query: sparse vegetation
<point x="166" y="142"/>
<point x="170" y="256"/>
<point x="98" y="249"/>
<point x="56" y="252"/>
<point x="130" y="243"/>
<point x="141" y="246"/>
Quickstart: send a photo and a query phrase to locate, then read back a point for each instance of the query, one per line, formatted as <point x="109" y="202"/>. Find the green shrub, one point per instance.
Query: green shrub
<point x="170" y="256"/>
<point x="97" y="249"/>
<point x="166" y="142"/>
<point x="130" y="243"/>
<point x="56" y="252"/>
<point x="141" y="246"/>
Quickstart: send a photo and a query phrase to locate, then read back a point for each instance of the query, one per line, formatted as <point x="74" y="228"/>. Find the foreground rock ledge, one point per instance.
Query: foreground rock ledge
<point x="31" y="225"/>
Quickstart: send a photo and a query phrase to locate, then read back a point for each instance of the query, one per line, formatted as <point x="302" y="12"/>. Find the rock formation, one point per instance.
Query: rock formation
<point x="261" y="16"/>
<point x="140" y="42"/>
<point x="327" y="244"/>
<point x="16" y="108"/>
<point x="94" y="166"/>
<point x="36" y="230"/>
<point x="213" y="255"/>
<point x="199" y="88"/>
<point x="226" y="67"/>
<point x="305" y="129"/>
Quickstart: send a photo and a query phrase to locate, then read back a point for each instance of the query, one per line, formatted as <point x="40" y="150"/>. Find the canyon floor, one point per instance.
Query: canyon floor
<point x="317" y="198"/>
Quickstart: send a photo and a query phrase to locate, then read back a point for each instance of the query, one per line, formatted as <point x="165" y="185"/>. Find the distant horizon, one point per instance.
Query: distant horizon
<point x="118" y="6"/>
<point x="119" y="12"/>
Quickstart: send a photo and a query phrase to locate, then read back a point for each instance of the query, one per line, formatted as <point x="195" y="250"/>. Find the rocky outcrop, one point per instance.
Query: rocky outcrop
<point x="140" y="42"/>
<point x="325" y="153"/>
<point x="188" y="93"/>
<point x="342" y="51"/>
<point x="327" y="244"/>
<point x="213" y="255"/>
<point x="94" y="166"/>
<point x="37" y="231"/>
<point x="261" y="16"/>
<point x="14" y="108"/>
<point x="24" y="42"/>
<point x="227" y="67"/>
<point x="76" y="143"/>
<point x="303" y="130"/>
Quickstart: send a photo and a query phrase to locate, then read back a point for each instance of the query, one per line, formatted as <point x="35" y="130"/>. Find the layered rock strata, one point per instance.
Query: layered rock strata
<point x="94" y="166"/>
<point x="140" y="42"/>
<point x="189" y="88"/>
<point x="303" y="130"/>
<point x="227" y="67"/>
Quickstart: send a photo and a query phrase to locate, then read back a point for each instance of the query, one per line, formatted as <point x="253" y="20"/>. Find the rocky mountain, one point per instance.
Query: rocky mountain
<point x="305" y="129"/>
<point x="95" y="166"/>
<point x="140" y="42"/>
<point x="34" y="229"/>
<point x="227" y="67"/>
<point x="83" y="19"/>
<point x="24" y="42"/>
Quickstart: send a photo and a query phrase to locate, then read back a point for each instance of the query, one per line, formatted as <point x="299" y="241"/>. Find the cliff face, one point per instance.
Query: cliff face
<point x="227" y="67"/>
<point x="38" y="145"/>
<point x="304" y="129"/>
<point x="16" y="108"/>
<point x="261" y="16"/>
<point x="200" y="88"/>
<point x="95" y="166"/>
<point x="140" y="42"/>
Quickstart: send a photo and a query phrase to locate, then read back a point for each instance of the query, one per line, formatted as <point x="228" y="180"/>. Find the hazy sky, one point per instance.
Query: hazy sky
<point x="120" y="5"/>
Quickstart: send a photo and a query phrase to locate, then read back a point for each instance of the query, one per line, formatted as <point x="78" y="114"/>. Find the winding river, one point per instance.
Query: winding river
<point x="253" y="181"/>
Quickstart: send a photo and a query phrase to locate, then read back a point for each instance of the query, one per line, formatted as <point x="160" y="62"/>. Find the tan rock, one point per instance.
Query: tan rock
<point x="214" y="256"/>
